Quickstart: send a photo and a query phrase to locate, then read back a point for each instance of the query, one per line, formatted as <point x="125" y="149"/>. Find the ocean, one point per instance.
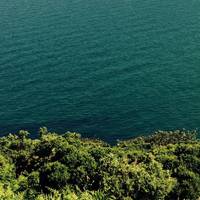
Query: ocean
<point x="110" y="69"/>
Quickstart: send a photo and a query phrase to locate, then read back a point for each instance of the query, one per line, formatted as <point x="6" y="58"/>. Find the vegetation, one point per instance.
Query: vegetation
<point x="163" y="166"/>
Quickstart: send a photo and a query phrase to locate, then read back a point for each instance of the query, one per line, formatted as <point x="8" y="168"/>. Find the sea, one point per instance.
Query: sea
<point x="109" y="69"/>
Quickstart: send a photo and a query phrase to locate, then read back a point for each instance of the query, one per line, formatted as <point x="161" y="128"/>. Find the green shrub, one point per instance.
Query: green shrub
<point x="164" y="166"/>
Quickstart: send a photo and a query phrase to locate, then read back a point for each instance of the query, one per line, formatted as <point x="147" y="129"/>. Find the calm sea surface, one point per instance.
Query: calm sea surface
<point x="106" y="68"/>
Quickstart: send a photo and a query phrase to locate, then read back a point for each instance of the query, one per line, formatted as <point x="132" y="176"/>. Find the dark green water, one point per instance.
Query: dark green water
<point x="108" y="68"/>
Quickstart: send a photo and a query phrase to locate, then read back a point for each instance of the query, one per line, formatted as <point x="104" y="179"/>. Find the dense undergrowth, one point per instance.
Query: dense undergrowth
<point x="165" y="165"/>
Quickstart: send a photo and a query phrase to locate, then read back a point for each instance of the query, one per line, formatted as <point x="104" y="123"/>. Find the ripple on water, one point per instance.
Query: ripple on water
<point x="110" y="68"/>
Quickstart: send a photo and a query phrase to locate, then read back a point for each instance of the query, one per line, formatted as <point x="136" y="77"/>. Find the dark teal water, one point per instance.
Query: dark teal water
<point x="106" y="68"/>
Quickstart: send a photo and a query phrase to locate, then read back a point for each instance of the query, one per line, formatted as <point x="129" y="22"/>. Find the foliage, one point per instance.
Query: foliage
<point x="163" y="166"/>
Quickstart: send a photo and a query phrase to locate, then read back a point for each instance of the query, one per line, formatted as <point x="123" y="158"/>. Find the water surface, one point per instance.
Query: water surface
<point x="106" y="68"/>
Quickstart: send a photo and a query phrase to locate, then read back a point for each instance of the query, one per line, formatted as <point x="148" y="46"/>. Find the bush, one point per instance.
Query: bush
<point x="164" y="166"/>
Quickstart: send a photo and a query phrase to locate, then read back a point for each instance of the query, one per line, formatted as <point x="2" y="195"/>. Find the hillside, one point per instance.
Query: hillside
<point x="165" y="165"/>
